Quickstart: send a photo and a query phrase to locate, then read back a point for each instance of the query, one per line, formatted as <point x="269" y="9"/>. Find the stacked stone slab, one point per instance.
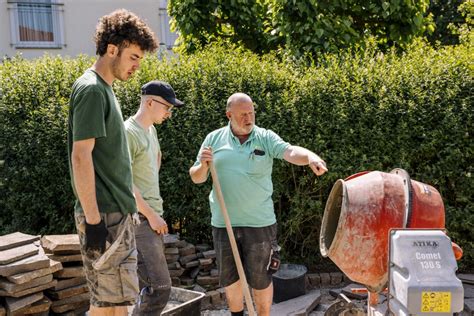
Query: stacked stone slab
<point x="25" y="273"/>
<point x="191" y="266"/>
<point x="70" y="295"/>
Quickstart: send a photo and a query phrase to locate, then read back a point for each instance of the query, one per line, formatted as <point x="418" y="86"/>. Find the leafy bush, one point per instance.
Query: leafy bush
<point x="360" y="111"/>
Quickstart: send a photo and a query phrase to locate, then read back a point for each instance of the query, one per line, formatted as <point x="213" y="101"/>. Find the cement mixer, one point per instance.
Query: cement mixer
<point x="385" y="229"/>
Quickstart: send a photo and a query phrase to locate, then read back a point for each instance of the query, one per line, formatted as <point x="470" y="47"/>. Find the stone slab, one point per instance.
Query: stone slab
<point x="191" y="264"/>
<point x="30" y="290"/>
<point x="14" y="288"/>
<point x="65" y="283"/>
<point x="176" y="273"/>
<point x="298" y="306"/>
<point x="81" y="298"/>
<point x="28" y="276"/>
<point x="172" y="251"/>
<point x="205" y="262"/>
<point x="62" y="309"/>
<point x="3" y="311"/>
<point x="77" y="311"/>
<point x="65" y="258"/>
<point x="170" y="240"/>
<point x="36" y="308"/>
<point x="14" y="240"/>
<point x="35" y="262"/>
<point x="210" y="254"/>
<point x="14" y="254"/>
<point x="69" y="272"/>
<point x="68" y="292"/>
<point x="207" y="280"/>
<point x="186" y="259"/>
<point x="188" y="250"/>
<point x="12" y="304"/>
<point x="61" y="243"/>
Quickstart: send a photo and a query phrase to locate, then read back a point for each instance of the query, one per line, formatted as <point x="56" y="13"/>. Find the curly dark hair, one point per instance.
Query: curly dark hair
<point x="122" y="28"/>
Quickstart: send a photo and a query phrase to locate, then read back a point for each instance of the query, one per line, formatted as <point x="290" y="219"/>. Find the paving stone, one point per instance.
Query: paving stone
<point x="203" y="272"/>
<point x="17" y="239"/>
<point x="77" y="311"/>
<point x="65" y="283"/>
<point x="176" y="273"/>
<point x="69" y="272"/>
<point x="170" y="240"/>
<point x="207" y="280"/>
<point x="181" y="243"/>
<point x="68" y="292"/>
<point x="172" y="251"/>
<point x="205" y="262"/>
<point x="35" y="262"/>
<point x="58" y="309"/>
<point x="199" y="288"/>
<point x="300" y="305"/>
<point x="314" y="279"/>
<point x="84" y="297"/>
<point x="188" y="250"/>
<point x="12" y="304"/>
<point x="215" y="297"/>
<point x="191" y="264"/>
<point x="206" y="302"/>
<point x="186" y="281"/>
<point x="171" y="258"/>
<point x="194" y="273"/>
<point x="209" y="254"/>
<point x="61" y="243"/>
<point x="186" y="259"/>
<point x="175" y="281"/>
<point x="65" y="258"/>
<point x="174" y="266"/>
<point x="3" y="311"/>
<point x="325" y="279"/>
<point x="336" y="278"/>
<point x="28" y="276"/>
<point x="39" y="307"/>
<point x="14" y="254"/>
<point x="214" y="272"/>
<point x="30" y="290"/>
<point x="10" y="287"/>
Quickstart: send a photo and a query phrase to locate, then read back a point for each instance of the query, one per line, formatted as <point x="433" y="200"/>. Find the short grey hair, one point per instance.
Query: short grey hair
<point x="237" y="97"/>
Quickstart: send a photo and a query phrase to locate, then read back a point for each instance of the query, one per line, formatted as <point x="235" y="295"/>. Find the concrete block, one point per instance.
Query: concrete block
<point x="325" y="279"/>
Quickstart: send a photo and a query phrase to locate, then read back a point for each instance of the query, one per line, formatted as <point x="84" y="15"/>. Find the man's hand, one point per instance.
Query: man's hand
<point x="206" y="156"/>
<point x="318" y="166"/>
<point x="96" y="235"/>
<point x="157" y="223"/>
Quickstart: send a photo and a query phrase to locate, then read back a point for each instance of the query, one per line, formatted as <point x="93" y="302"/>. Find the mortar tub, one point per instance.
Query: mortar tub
<point x="289" y="282"/>
<point x="183" y="302"/>
<point x="362" y="209"/>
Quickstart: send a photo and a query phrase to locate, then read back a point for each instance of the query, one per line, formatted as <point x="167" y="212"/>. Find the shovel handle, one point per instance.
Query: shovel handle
<point x="233" y="244"/>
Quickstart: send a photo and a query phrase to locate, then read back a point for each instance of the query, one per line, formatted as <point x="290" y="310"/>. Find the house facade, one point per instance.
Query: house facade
<point x="66" y="27"/>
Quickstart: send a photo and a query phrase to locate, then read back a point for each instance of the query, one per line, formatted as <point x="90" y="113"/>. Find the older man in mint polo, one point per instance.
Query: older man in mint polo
<point x="243" y="156"/>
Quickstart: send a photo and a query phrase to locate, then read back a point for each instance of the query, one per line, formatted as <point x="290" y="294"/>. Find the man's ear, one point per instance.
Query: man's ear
<point x="228" y="114"/>
<point x="112" y="50"/>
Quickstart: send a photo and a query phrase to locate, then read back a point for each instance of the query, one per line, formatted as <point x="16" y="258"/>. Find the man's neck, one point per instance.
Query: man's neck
<point x="242" y="138"/>
<point x="142" y="119"/>
<point x="103" y="69"/>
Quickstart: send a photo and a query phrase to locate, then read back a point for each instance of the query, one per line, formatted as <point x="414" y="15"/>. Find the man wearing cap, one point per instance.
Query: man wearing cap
<point x="243" y="157"/>
<point x="157" y="101"/>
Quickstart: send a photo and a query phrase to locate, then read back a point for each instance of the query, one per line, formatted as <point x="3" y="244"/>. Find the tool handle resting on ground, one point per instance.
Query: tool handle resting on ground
<point x="233" y="244"/>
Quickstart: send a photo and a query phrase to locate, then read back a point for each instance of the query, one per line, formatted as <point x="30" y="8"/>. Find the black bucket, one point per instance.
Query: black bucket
<point x="289" y="282"/>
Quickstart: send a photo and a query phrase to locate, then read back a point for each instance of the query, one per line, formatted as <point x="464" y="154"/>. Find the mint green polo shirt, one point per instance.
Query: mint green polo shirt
<point x="245" y="176"/>
<point x="144" y="149"/>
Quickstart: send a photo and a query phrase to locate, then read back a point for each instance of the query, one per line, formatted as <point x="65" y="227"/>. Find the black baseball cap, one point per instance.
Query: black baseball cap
<point x="161" y="89"/>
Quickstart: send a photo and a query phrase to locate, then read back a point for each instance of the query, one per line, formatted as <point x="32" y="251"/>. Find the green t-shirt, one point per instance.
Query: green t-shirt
<point x="94" y="112"/>
<point x="144" y="150"/>
<point x="245" y="175"/>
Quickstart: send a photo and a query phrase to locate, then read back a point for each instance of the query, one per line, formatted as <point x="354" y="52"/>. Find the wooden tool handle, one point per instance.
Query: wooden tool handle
<point x="233" y="244"/>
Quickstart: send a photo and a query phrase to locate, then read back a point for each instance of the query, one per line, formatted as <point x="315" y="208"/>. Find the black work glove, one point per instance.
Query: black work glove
<point x="96" y="236"/>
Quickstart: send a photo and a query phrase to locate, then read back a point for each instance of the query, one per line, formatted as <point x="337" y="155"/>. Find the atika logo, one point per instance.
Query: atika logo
<point x="426" y="243"/>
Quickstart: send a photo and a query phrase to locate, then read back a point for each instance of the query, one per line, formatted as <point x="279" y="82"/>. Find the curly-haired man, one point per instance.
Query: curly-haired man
<point x="99" y="162"/>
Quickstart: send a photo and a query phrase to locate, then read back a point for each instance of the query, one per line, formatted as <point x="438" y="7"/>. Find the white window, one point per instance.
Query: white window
<point x="166" y="37"/>
<point x="36" y="23"/>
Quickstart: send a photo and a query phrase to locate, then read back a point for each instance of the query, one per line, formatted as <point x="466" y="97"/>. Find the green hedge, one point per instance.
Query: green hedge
<point x="359" y="110"/>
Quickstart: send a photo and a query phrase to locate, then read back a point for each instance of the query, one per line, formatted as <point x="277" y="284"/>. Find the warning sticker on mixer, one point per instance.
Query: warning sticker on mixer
<point x="437" y="302"/>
